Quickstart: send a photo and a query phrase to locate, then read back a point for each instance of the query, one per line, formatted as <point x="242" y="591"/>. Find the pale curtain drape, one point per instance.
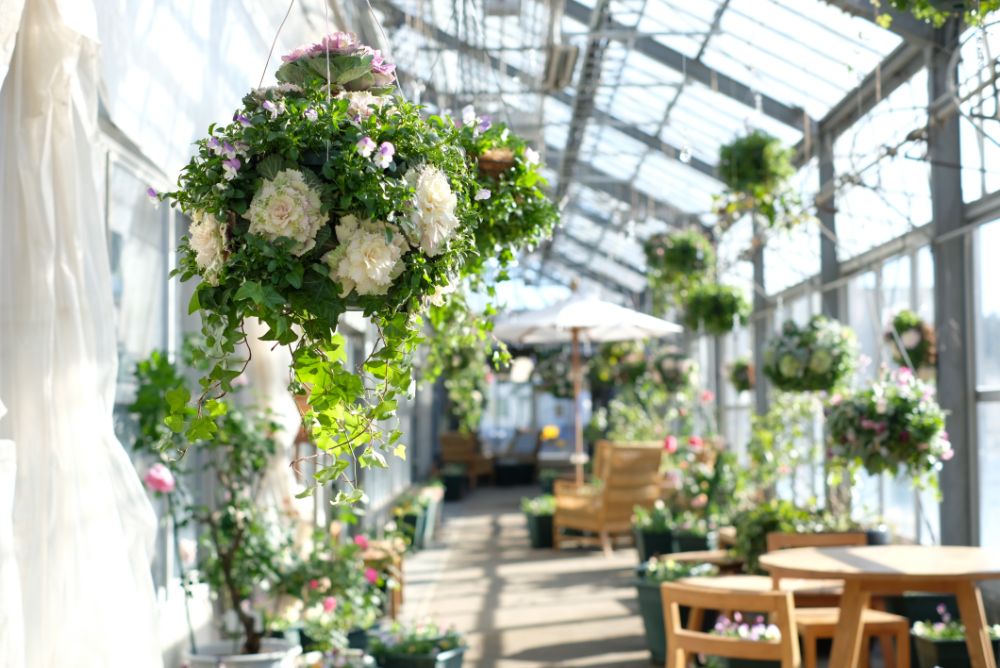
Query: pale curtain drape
<point x="11" y="624"/>
<point x="83" y="526"/>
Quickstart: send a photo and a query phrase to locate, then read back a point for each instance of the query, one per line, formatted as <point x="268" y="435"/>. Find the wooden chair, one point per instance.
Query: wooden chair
<point x="626" y="476"/>
<point x="463" y="449"/>
<point x="684" y="644"/>
<point x="815" y="623"/>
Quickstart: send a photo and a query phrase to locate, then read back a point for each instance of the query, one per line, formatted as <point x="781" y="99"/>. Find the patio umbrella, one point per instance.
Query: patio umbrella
<point x="579" y="318"/>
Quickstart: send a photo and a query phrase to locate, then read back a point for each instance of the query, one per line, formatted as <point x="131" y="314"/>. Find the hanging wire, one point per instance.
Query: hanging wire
<point x="274" y="43"/>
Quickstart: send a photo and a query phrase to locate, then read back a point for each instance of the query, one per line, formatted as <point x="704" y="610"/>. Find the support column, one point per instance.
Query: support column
<point x="829" y="266"/>
<point x="761" y="331"/>
<point x="954" y="317"/>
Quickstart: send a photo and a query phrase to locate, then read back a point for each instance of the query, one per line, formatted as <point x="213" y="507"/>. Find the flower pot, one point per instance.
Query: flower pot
<point x="944" y="653"/>
<point x="414" y="526"/>
<point x="449" y="659"/>
<point x="651" y="543"/>
<point x="540" y="530"/>
<point x="685" y="541"/>
<point x="880" y="536"/>
<point x="455" y="486"/>
<point x="432" y="521"/>
<point x="274" y="653"/>
<point x="496" y="161"/>
<point x="651" y="611"/>
<point x="357" y="639"/>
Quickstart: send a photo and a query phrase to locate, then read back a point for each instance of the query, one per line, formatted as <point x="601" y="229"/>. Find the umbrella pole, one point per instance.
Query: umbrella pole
<point x="577" y="418"/>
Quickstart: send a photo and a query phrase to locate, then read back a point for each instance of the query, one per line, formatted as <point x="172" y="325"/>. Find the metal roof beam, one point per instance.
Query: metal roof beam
<point x="604" y="279"/>
<point x="695" y="69"/>
<point x="619" y="261"/>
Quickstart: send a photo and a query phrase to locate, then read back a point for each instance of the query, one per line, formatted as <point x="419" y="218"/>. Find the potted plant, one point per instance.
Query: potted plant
<point x="816" y="357"/>
<point x="755" y="169"/>
<point x="715" y="308"/>
<point x="941" y="644"/>
<point x="410" y="512"/>
<point x="539" y="512"/>
<point x="674" y="370"/>
<point x="912" y="340"/>
<point x="652" y="530"/>
<point x="425" y="646"/>
<point x="894" y="424"/>
<point x="432" y="494"/>
<point x="747" y="627"/>
<point x="456" y="481"/>
<point x="326" y="167"/>
<point x="242" y="548"/>
<point x="691" y="532"/>
<point x="675" y="261"/>
<point x="649" y="576"/>
<point x="742" y="375"/>
<point x="753" y="525"/>
<point x="547" y="478"/>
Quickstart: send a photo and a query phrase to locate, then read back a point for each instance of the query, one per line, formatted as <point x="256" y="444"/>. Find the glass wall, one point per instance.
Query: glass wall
<point x="987" y="301"/>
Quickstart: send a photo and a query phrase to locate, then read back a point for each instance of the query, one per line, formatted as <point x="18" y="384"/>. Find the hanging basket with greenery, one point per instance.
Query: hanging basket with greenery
<point x="325" y="194"/>
<point x="817" y="357"/>
<point x="553" y="372"/>
<point x="742" y="375"/>
<point x="616" y="364"/>
<point x="674" y="370"/>
<point x="676" y="259"/>
<point x="937" y="12"/>
<point x="756" y="169"/>
<point x="510" y="201"/>
<point x="715" y="308"/>
<point x="894" y="425"/>
<point x="912" y="340"/>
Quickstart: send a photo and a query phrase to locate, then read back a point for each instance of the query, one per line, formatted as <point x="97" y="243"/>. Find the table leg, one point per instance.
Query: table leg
<point x="850" y="630"/>
<point x="977" y="637"/>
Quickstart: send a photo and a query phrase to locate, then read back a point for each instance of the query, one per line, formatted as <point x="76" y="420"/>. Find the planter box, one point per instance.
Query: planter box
<point x="274" y="654"/>
<point x="918" y="607"/>
<point x="540" y="530"/>
<point x="414" y="525"/>
<point x="690" y="542"/>
<point x="450" y="659"/>
<point x="649" y="544"/>
<point x="455" y="486"/>
<point x="945" y="653"/>
<point x="651" y="610"/>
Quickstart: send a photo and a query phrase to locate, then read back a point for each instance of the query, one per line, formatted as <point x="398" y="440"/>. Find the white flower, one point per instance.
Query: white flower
<point x="531" y="156"/>
<point x="469" y="115"/>
<point x="310" y="114"/>
<point x="361" y="102"/>
<point x="434" y="208"/>
<point x="483" y="193"/>
<point x="365" y="261"/>
<point x="286" y="206"/>
<point x="207" y="238"/>
<point x="504" y="134"/>
<point x="910" y="339"/>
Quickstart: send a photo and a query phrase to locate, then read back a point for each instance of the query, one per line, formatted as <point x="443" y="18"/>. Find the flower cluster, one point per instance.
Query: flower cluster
<point x="947" y="628"/>
<point x="539" y="505"/>
<point x="757" y="629"/>
<point x="912" y="340"/>
<point x="513" y="208"/>
<point x="817" y="357"/>
<point x="892" y="424"/>
<point x="325" y="193"/>
<point x="657" y="519"/>
<point x="426" y="640"/>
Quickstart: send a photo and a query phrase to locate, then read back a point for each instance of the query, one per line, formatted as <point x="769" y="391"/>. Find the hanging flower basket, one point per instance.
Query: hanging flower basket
<point x="815" y="358"/>
<point x="674" y="370"/>
<point x="910" y="334"/>
<point x="742" y="375"/>
<point x="513" y="209"/>
<point x="324" y="194"/>
<point x="678" y="258"/>
<point x="893" y="425"/>
<point x="616" y="365"/>
<point x="553" y="373"/>
<point x="715" y="308"/>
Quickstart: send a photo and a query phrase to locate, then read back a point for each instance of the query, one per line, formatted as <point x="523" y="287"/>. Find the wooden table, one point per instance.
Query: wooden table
<point x="895" y="569"/>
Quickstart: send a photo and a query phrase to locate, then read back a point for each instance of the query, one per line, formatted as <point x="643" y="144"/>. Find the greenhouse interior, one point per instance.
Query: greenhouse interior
<point x="499" y="333"/>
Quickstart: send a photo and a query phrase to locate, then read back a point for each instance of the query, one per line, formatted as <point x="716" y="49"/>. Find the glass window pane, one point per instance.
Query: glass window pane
<point x="989" y="472"/>
<point x="862" y="311"/>
<point x="988" y="307"/>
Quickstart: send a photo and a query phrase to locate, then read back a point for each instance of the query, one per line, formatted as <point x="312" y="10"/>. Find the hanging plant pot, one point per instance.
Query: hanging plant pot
<point x="910" y="334"/>
<point x="817" y="357"/>
<point x="274" y="653"/>
<point x="496" y="161"/>
<point x="742" y="375"/>
<point x="715" y="308"/>
<point x="674" y="369"/>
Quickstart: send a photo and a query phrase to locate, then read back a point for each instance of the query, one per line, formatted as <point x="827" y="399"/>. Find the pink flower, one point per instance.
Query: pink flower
<point x="297" y="53"/>
<point x="361" y="541"/>
<point x="707" y="396"/>
<point x="836" y="399"/>
<point x="670" y="444"/>
<point x="947" y="455"/>
<point x="314" y="584"/>
<point x="329" y="604"/>
<point x="699" y="501"/>
<point x="904" y="375"/>
<point x="159" y="479"/>
<point x="695" y="442"/>
<point x="371" y="575"/>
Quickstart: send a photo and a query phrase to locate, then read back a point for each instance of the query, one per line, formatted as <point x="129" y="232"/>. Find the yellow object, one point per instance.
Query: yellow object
<point x="550" y="432"/>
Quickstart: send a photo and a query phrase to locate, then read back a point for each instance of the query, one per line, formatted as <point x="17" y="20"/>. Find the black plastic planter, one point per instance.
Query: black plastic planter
<point x="690" y="542"/>
<point x="878" y="536"/>
<point x="945" y="653"/>
<point x="414" y="526"/>
<point x="919" y="607"/>
<point x="540" y="530"/>
<point x="652" y="543"/>
<point x="651" y="611"/>
<point x="455" y="486"/>
<point x="450" y="659"/>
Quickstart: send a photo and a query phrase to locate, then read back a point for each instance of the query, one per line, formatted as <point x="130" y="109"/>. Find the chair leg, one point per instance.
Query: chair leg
<point x="677" y="658"/>
<point x="556" y="534"/>
<point x="606" y="544"/>
<point x="902" y="649"/>
<point x="809" y="659"/>
<point x="864" y="659"/>
<point x="886" y="642"/>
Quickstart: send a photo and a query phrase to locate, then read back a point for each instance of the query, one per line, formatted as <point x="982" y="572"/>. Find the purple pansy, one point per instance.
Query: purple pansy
<point x="385" y="153"/>
<point x="274" y="109"/>
<point x="485" y="124"/>
<point x="366" y="146"/>
<point x="310" y="114"/>
<point x="230" y="167"/>
<point x="214" y="145"/>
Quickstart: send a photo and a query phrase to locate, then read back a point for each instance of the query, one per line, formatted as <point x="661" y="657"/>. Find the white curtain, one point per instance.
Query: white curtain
<point x="83" y="527"/>
<point x="11" y="624"/>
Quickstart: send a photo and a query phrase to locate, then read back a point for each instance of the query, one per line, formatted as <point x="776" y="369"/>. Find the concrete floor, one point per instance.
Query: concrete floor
<point x="523" y="608"/>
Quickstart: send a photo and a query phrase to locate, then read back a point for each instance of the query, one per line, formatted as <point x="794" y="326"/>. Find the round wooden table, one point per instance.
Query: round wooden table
<point x="894" y="569"/>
